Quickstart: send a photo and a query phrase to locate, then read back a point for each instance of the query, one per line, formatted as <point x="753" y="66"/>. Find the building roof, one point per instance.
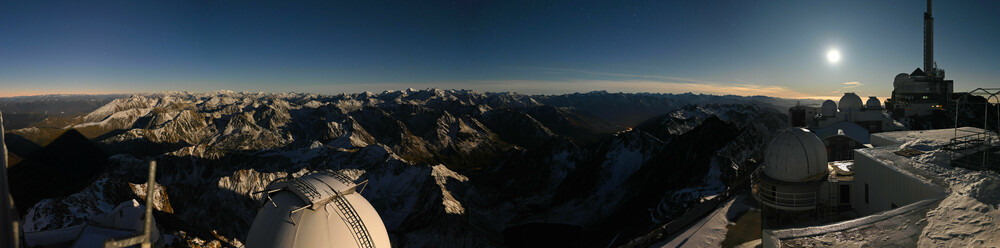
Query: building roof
<point x="124" y="220"/>
<point x="929" y="139"/>
<point x="795" y="155"/>
<point x="963" y="200"/>
<point x="844" y="128"/>
<point x="918" y="72"/>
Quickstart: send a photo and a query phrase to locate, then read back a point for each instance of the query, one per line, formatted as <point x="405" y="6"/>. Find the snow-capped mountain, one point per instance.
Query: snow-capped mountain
<point x="444" y="167"/>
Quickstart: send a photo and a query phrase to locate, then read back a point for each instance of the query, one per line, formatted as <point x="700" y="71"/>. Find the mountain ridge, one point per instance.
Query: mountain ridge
<point x="445" y="167"/>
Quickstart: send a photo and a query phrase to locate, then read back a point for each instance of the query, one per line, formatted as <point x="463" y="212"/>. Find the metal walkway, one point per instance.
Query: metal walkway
<point x="354" y="221"/>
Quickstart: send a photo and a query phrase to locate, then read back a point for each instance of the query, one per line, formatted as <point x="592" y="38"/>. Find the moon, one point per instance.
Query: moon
<point x="833" y="56"/>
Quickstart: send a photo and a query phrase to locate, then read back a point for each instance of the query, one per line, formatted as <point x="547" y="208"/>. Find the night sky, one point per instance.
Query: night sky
<point x="776" y="48"/>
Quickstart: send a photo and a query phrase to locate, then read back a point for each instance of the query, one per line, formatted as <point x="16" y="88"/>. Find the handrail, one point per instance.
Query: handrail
<point x="308" y="189"/>
<point x="777" y="198"/>
<point x="341" y="177"/>
<point x="787" y="199"/>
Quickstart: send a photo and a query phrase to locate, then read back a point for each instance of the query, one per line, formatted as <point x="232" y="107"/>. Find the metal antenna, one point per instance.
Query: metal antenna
<point x="144" y="239"/>
<point x="929" y="41"/>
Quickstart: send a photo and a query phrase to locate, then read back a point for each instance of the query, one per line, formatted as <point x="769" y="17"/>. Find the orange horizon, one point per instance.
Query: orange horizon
<point x="28" y="93"/>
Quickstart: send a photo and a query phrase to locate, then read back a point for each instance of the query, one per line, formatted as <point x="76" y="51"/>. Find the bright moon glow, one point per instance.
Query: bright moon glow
<point x="833" y="56"/>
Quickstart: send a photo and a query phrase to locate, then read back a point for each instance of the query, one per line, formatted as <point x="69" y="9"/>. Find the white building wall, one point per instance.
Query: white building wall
<point x="886" y="186"/>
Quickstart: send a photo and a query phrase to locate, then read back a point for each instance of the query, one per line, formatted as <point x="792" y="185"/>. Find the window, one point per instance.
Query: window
<point x="866" y="193"/>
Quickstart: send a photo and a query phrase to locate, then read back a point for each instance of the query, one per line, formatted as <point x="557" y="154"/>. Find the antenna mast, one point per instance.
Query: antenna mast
<point x="929" y="67"/>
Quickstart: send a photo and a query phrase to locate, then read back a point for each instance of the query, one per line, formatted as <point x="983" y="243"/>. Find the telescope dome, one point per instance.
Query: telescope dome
<point x="795" y="155"/>
<point x="850" y="102"/>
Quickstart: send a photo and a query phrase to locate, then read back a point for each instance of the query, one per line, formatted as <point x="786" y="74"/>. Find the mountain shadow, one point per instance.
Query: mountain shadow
<point x="65" y="166"/>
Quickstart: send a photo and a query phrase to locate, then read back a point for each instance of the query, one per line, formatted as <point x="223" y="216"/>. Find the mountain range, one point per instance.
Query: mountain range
<point x="444" y="167"/>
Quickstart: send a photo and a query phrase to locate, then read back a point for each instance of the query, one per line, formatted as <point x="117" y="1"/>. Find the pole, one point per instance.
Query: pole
<point x="150" y="185"/>
<point x="145" y="240"/>
<point x="9" y="236"/>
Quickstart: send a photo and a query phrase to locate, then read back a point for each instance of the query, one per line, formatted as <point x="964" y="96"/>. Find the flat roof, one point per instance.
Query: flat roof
<point x="849" y="129"/>
<point x="932" y="138"/>
<point x="915" y="166"/>
<point x="954" y="220"/>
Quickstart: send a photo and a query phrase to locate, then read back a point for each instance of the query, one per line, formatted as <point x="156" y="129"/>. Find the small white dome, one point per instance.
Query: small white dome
<point x="873" y="103"/>
<point x="829" y="108"/>
<point x="850" y="102"/>
<point x="795" y="155"/>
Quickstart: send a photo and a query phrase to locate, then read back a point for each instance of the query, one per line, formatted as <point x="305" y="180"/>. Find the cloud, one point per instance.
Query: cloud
<point x="626" y="75"/>
<point x="683" y="85"/>
<point x="572" y="86"/>
<point x="853" y="84"/>
<point x="611" y="82"/>
<point x="848" y="87"/>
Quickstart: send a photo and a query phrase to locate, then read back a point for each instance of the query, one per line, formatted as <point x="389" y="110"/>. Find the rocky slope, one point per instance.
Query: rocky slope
<point x="444" y="167"/>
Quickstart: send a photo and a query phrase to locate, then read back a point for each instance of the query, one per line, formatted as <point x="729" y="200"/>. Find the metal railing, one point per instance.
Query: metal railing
<point x="779" y="199"/>
<point x="970" y="141"/>
<point x="976" y="151"/>
<point x="341" y="177"/>
<point x="308" y="189"/>
<point x="354" y="221"/>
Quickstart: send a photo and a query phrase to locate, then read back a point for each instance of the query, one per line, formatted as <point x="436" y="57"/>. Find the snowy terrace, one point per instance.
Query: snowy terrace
<point x="914" y="199"/>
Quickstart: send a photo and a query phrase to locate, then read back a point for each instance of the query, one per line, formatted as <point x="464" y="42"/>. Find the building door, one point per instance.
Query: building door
<point x="845" y="194"/>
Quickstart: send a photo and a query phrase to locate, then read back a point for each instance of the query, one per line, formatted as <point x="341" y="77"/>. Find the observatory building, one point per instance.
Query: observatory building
<point x="316" y="210"/>
<point x="905" y="190"/>
<point x="868" y="115"/>
<point x="796" y="183"/>
<point x="845" y="125"/>
<point x="921" y="92"/>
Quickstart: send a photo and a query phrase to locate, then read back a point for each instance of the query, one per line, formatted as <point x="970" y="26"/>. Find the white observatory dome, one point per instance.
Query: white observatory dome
<point x="850" y="102"/>
<point x="795" y="155"/>
<point x="317" y="210"/>
<point x="829" y="108"/>
<point x="873" y="103"/>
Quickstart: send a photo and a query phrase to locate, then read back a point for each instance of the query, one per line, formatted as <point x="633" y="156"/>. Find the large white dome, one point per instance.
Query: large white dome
<point x="850" y="102"/>
<point x="873" y="103"/>
<point x="317" y="210"/>
<point x="829" y="108"/>
<point x="795" y="155"/>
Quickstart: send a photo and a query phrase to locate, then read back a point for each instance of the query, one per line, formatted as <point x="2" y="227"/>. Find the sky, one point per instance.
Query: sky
<point x="773" y="48"/>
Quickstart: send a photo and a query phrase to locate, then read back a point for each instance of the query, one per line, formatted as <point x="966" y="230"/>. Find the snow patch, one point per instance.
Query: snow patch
<point x="844" y="165"/>
<point x="441" y="174"/>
